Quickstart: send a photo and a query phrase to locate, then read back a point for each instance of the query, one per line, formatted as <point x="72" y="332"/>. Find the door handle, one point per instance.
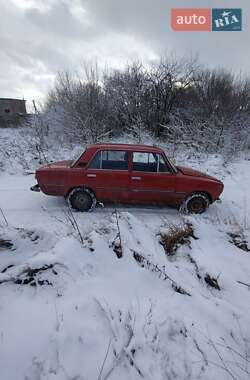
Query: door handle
<point x="91" y="175"/>
<point x="136" y="178"/>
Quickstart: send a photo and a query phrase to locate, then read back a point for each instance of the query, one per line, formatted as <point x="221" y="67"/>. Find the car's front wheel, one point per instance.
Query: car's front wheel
<point x="196" y="203"/>
<point x="81" y="199"/>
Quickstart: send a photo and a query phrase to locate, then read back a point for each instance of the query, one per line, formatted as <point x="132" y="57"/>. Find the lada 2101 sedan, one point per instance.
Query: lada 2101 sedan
<point x="125" y="173"/>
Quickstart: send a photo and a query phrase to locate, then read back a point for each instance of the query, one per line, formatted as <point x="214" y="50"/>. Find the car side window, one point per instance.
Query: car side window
<point x="96" y="161"/>
<point x="144" y="162"/>
<point x="149" y="162"/>
<point x="110" y="160"/>
<point x="162" y="168"/>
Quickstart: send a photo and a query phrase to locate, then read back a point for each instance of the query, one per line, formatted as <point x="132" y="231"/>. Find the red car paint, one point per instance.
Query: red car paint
<point x="127" y="186"/>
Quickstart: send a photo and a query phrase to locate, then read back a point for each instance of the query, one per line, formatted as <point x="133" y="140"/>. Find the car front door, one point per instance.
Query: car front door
<point x="152" y="180"/>
<point x="108" y="175"/>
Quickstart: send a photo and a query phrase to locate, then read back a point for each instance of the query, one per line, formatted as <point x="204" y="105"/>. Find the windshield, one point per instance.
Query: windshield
<point x="171" y="163"/>
<point x="76" y="159"/>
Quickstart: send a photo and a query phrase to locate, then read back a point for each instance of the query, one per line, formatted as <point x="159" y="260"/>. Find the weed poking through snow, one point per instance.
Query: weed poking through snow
<point x="27" y="275"/>
<point x="117" y="242"/>
<point x="176" y="236"/>
<point x="211" y="281"/>
<point x="160" y="271"/>
<point x="5" y="244"/>
<point x="239" y="241"/>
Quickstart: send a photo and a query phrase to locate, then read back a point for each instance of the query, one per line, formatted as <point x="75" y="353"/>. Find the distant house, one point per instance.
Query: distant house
<point x="12" y="112"/>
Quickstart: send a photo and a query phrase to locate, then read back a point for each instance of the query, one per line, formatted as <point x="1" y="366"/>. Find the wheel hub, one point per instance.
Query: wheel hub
<point x="81" y="199"/>
<point x="196" y="205"/>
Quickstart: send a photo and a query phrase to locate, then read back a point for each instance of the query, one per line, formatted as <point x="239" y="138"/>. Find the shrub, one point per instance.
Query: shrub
<point x="177" y="235"/>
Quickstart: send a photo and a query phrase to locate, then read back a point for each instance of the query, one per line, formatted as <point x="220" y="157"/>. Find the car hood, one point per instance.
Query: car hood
<point x="58" y="164"/>
<point x="195" y="173"/>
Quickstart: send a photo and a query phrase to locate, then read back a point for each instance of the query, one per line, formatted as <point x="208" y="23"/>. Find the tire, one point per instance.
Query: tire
<point x="196" y="203"/>
<point x="81" y="199"/>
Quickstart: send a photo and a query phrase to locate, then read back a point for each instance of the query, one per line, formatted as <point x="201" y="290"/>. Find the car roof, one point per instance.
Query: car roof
<point x="129" y="147"/>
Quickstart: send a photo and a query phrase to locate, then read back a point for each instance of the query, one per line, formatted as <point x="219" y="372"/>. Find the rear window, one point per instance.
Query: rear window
<point x="110" y="160"/>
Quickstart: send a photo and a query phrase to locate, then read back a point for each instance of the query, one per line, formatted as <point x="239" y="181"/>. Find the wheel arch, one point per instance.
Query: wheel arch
<point x="206" y="193"/>
<point x="80" y="188"/>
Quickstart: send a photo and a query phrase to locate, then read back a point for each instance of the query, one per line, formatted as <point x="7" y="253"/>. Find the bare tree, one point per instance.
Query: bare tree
<point x="173" y="99"/>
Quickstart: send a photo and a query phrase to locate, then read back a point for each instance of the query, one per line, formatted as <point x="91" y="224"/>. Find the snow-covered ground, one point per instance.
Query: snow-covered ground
<point x="93" y="316"/>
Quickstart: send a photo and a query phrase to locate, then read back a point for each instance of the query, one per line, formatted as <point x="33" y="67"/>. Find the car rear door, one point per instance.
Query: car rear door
<point x="152" y="180"/>
<point x="108" y="175"/>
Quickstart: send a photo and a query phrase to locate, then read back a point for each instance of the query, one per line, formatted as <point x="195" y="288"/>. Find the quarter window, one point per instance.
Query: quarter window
<point x="110" y="160"/>
<point x="148" y="162"/>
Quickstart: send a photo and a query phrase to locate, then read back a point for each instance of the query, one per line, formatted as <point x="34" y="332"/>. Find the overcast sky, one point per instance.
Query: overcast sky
<point x="38" y="38"/>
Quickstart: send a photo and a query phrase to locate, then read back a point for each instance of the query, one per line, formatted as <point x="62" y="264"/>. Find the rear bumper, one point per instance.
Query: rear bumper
<point x="35" y="188"/>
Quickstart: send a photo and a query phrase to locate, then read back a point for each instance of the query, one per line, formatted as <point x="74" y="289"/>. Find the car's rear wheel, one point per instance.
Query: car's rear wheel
<point x="196" y="203"/>
<point x="81" y="199"/>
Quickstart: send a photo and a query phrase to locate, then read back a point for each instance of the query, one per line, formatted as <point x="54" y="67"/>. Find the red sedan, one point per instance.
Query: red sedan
<point x="126" y="173"/>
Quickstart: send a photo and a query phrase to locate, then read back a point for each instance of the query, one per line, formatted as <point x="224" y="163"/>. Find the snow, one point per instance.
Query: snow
<point x="100" y="317"/>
